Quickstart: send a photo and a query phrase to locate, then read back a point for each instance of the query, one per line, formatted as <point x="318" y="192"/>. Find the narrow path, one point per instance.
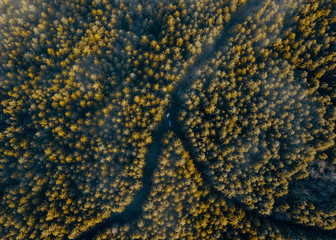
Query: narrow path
<point x="134" y="210"/>
<point x="282" y="224"/>
<point x="170" y="122"/>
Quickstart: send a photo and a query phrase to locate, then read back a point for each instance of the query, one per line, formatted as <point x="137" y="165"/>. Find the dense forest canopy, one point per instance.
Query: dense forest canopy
<point x="171" y="119"/>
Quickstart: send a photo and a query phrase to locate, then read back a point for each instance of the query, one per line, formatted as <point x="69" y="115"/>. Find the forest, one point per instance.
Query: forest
<point x="171" y="119"/>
